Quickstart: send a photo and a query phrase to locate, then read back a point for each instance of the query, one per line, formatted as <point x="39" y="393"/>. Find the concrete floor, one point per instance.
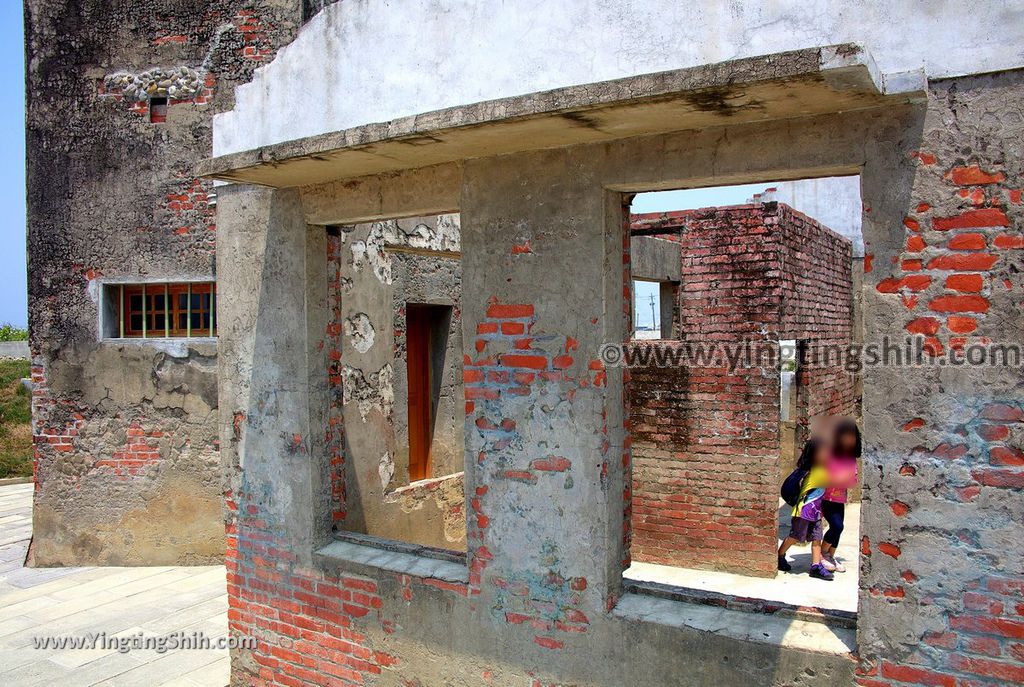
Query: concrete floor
<point x="158" y="601"/>
<point x="794" y="587"/>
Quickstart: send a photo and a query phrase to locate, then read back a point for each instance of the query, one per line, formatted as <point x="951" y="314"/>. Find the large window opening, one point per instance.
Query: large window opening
<point x="396" y="290"/>
<point x="765" y="278"/>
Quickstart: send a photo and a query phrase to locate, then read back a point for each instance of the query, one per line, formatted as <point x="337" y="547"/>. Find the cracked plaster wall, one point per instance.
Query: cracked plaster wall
<point x="383" y="267"/>
<point x="127" y="466"/>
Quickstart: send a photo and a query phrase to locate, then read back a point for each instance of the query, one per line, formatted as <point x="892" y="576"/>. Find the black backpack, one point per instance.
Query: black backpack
<point x="792" y="486"/>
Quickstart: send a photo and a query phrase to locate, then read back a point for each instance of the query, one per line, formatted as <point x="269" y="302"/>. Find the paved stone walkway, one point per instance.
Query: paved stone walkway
<point x="159" y="601"/>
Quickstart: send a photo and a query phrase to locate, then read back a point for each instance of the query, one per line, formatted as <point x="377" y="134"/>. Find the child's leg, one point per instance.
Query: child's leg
<point x="834" y="514"/>
<point x="815" y="552"/>
<point x="786" y="543"/>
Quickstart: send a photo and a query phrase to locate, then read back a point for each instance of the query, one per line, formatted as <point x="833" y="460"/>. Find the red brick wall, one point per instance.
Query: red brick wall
<point x="817" y="308"/>
<point x="706" y="438"/>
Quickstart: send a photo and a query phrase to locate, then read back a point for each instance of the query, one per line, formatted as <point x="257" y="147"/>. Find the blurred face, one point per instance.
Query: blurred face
<point x="821" y="455"/>
<point x="847" y="443"/>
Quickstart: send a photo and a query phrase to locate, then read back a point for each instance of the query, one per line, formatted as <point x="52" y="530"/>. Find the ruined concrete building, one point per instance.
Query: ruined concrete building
<point x="350" y="331"/>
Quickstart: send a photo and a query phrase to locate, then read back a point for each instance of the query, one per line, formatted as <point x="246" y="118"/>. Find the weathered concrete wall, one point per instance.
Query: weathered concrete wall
<point x="384" y="266"/>
<point x="654" y="258"/>
<point x="538" y="600"/>
<point x="15" y="350"/>
<point x="503" y="50"/>
<point x="125" y="431"/>
<point x="707" y="435"/>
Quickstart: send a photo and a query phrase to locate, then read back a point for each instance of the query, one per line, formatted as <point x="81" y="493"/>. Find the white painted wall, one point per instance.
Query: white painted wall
<point x="363" y="61"/>
<point x="833" y="201"/>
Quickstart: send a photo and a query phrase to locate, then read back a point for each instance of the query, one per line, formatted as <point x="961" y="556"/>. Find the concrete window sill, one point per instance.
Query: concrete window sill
<point x="792" y="633"/>
<point x="371" y="553"/>
<point x="163" y="341"/>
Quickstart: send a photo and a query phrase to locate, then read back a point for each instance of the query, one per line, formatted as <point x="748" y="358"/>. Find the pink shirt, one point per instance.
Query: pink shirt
<point x="842" y="474"/>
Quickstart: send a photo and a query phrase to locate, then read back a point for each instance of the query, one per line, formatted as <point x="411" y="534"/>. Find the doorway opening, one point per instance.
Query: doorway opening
<point x="426" y="346"/>
<point x="766" y="282"/>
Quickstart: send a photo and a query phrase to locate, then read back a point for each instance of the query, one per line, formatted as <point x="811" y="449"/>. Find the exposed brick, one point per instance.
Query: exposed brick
<point x="967" y="283"/>
<point x="899" y="508"/>
<point x="911" y="425"/>
<point x="915" y="244"/>
<point x="970" y="262"/>
<point x="1006" y="455"/>
<point x="974" y="175"/>
<point x="999" y="478"/>
<point x="552" y="464"/>
<point x="977" y="304"/>
<point x="923" y="325"/>
<point x="972" y="219"/>
<point x="914" y="282"/>
<point x="969" y="241"/>
<point x="916" y="676"/>
<point x="531" y="362"/>
<point x="999" y="670"/>
<point x="1008" y="241"/>
<point x="1001" y="412"/>
<point x="509" y="311"/>
<point x="959" y="324"/>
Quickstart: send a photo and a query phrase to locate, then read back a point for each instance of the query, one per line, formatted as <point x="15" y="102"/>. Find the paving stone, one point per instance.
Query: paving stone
<point x="156" y="601"/>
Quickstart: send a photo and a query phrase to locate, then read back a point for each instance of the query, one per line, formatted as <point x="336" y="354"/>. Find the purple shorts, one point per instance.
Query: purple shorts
<point x="805" y="530"/>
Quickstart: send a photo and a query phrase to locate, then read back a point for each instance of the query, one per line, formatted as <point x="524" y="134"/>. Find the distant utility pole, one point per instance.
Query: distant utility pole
<point x="654" y="320"/>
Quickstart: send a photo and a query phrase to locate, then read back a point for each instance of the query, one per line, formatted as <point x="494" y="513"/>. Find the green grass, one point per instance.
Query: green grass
<point x="15" y="420"/>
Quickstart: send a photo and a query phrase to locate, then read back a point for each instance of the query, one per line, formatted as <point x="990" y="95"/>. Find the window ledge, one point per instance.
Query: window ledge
<point x="159" y="339"/>
<point x="744" y="604"/>
<point x="397" y="557"/>
<point x="773" y="630"/>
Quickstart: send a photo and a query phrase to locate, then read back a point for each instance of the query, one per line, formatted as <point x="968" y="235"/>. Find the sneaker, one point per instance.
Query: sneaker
<point x="820" y="572"/>
<point x="784" y="565"/>
<point x="836" y="564"/>
<point x="827" y="564"/>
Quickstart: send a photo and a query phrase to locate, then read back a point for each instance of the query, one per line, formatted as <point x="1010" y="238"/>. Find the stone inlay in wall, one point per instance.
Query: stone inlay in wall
<point x="176" y="83"/>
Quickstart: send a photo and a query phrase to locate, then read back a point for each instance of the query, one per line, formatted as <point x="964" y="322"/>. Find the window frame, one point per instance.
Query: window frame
<point x="164" y="322"/>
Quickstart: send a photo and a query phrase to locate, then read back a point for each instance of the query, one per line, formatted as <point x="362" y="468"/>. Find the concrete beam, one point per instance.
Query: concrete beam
<point x="780" y="86"/>
<point x="654" y="259"/>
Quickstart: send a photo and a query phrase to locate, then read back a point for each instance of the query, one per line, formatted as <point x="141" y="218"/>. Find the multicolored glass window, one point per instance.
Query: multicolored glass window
<point x="154" y="311"/>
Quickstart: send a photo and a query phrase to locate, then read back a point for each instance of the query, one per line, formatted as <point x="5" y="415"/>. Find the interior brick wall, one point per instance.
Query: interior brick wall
<point x="817" y="284"/>
<point x="706" y="437"/>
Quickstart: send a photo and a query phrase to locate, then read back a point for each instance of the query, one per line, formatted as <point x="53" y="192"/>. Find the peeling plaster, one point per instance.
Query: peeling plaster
<point x="375" y="393"/>
<point x="386" y="470"/>
<point x="360" y="330"/>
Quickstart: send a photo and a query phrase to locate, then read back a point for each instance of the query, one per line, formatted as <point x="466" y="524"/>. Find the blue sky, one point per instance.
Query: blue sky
<point x="665" y="201"/>
<point x="13" y="300"/>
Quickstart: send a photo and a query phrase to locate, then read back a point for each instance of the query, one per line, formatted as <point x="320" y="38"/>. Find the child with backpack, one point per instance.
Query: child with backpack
<point x="812" y="478"/>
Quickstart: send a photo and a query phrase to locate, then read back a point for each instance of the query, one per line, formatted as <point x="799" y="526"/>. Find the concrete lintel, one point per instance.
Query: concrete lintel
<point x="654" y="259"/>
<point x="780" y="86"/>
